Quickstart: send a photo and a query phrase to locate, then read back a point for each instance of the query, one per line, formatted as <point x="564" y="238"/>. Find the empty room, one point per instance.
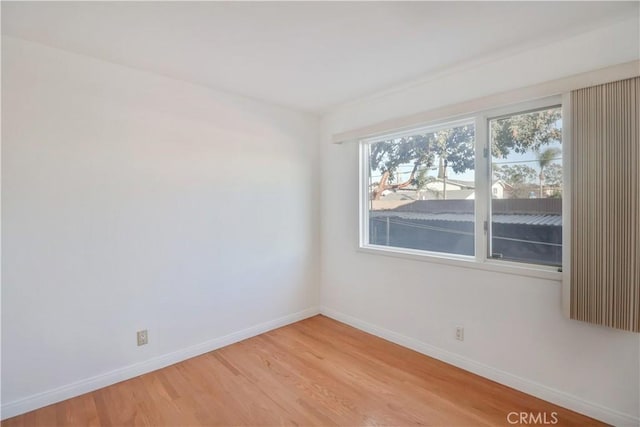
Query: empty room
<point x="320" y="213"/>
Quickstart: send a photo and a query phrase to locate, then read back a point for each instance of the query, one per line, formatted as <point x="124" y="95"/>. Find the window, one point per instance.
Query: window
<point x="421" y="190"/>
<point x="526" y="158"/>
<point x="486" y="188"/>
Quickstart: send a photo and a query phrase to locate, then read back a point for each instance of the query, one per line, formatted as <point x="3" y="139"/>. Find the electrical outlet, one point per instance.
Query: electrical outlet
<point x="460" y="333"/>
<point x="143" y="338"/>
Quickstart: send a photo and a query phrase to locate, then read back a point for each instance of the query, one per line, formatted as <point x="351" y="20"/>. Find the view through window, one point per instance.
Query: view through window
<point x="421" y="190"/>
<point x="526" y="209"/>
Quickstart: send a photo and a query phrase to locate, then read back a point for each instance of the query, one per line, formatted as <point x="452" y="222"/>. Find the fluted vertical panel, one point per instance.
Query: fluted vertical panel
<point x="605" y="205"/>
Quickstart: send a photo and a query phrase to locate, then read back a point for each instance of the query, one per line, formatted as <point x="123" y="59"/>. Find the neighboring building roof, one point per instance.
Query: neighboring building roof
<point x="388" y="204"/>
<point x="553" y="220"/>
<point x="399" y="195"/>
<point x="547" y="220"/>
<point x="426" y="194"/>
<point x="549" y="206"/>
<point x="461" y="183"/>
<point x="461" y="194"/>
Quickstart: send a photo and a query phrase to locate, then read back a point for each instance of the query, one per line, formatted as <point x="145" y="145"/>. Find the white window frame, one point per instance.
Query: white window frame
<point x="483" y="196"/>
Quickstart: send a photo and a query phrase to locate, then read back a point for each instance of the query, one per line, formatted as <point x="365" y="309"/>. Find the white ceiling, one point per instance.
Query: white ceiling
<point x="308" y="55"/>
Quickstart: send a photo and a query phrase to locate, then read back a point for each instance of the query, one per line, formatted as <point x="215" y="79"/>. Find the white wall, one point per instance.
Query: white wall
<point x="514" y="329"/>
<point x="134" y="201"/>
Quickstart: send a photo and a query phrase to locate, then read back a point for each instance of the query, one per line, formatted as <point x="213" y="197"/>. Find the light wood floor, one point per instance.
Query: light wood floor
<point x="314" y="372"/>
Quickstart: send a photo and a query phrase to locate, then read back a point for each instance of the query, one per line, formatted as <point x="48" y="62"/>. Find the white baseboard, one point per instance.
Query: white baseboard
<point x="522" y="384"/>
<point x="17" y="407"/>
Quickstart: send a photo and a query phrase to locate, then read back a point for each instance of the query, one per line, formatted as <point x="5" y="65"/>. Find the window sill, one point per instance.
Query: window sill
<point x="463" y="261"/>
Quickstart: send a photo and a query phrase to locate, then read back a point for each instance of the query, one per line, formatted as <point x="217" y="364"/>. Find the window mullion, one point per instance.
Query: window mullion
<point x="364" y="179"/>
<point x="482" y="188"/>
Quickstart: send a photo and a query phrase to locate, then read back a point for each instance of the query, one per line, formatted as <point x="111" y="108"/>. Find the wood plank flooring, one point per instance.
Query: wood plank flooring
<point x="315" y="372"/>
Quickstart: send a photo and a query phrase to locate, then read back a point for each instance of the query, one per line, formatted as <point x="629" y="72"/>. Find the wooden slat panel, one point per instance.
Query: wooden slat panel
<point x="605" y="219"/>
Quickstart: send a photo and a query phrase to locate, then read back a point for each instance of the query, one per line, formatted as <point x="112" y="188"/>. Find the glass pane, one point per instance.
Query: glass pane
<point x="526" y="205"/>
<point x="422" y="191"/>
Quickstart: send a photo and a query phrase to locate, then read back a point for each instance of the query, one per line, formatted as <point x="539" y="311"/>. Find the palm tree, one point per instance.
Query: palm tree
<point x="544" y="159"/>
